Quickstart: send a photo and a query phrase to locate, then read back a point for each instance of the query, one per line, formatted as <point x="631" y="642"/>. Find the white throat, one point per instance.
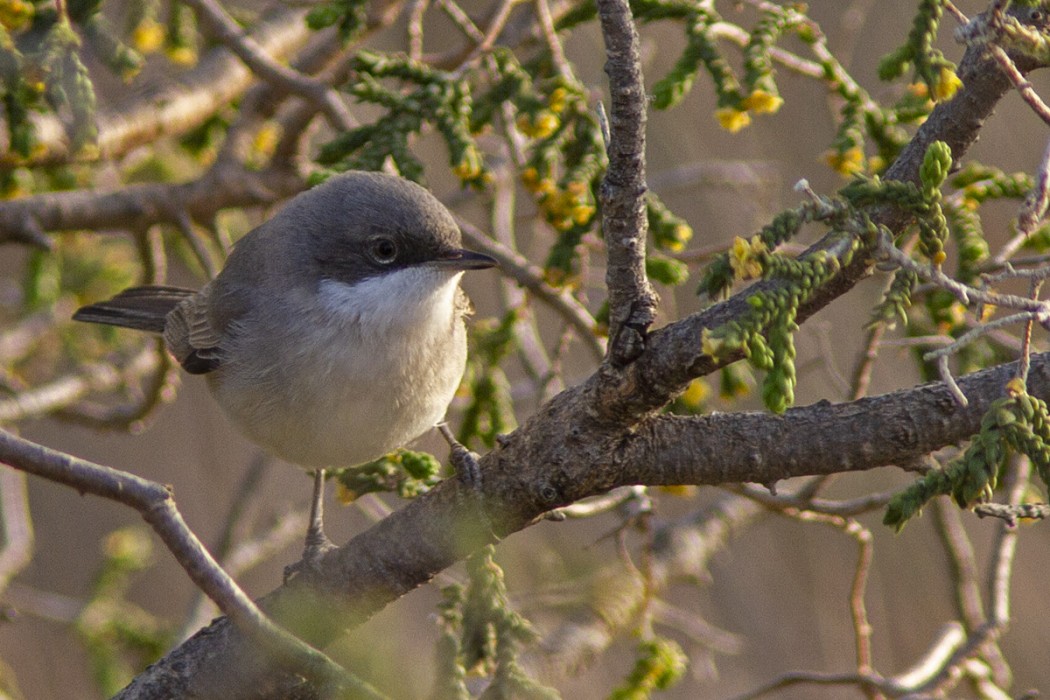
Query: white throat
<point x="413" y="299"/>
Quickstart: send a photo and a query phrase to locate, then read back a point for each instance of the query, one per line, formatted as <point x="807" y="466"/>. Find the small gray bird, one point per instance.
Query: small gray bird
<point x="334" y="333"/>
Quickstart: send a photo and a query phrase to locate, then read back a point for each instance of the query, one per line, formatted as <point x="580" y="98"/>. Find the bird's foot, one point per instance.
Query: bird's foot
<point x="463" y="460"/>
<point x="317" y="544"/>
<point x="315" y="548"/>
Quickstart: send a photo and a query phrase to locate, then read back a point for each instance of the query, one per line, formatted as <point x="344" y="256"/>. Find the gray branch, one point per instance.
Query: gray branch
<point x="632" y="301"/>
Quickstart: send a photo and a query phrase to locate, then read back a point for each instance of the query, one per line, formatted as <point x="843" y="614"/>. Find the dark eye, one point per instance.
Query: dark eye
<point x="383" y="251"/>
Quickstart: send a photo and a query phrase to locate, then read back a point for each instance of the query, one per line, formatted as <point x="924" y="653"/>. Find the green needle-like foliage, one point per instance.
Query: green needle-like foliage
<point x="1017" y="423"/>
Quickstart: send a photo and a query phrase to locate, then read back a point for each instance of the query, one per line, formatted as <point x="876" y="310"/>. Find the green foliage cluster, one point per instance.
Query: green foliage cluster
<point x="919" y="53"/>
<point x="756" y="92"/>
<point x="435" y="97"/>
<point x="765" y="333"/>
<point x="660" y="664"/>
<point x="348" y="16"/>
<point x="489" y="412"/>
<point x="1017" y="423"/>
<point x="404" y="472"/>
<point x="119" y="636"/>
<point x="45" y="49"/>
<point x="481" y="634"/>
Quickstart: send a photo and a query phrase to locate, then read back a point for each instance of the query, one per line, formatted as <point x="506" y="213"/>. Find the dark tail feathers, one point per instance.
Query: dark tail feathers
<point x="141" y="308"/>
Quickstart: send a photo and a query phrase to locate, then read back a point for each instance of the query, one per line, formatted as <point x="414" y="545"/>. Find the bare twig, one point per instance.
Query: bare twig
<point x="414" y="29"/>
<point x="964" y="293"/>
<point x="156" y="388"/>
<point x="16" y="525"/>
<point x="529" y="276"/>
<point x="1011" y="514"/>
<point x="963" y="562"/>
<point x="462" y="20"/>
<point x="255" y="57"/>
<point x="156" y="505"/>
<point x="1024" y="87"/>
<point x="845" y="508"/>
<point x="492" y="32"/>
<point x="217" y="79"/>
<point x="137" y="207"/>
<point x="61" y="393"/>
<point x="543" y="13"/>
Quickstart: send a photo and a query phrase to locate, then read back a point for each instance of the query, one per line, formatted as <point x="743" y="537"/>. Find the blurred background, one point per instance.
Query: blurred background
<point x="774" y="598"/>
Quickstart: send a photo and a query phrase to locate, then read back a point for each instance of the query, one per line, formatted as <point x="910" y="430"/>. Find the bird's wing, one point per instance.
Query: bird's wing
<point x="191" y="337"/>
<point x="141" y="308"/>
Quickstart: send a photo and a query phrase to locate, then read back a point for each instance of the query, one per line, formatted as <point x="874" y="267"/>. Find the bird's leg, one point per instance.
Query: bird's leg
<point x="463" y="460"/>
<point x="317" y="543"/>
<point x="315" y="538"/>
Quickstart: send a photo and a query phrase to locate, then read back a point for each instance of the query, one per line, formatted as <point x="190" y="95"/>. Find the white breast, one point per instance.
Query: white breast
<point x="353" y="373"/>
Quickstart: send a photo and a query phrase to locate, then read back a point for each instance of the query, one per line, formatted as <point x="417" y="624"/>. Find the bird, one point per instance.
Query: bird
<point x="334" y="333"/>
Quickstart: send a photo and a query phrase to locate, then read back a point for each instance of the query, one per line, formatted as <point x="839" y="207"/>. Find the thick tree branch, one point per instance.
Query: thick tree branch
<point x="562" y="454"/>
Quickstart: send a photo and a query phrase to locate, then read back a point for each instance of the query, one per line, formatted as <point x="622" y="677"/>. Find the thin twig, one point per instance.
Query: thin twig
<point x="845" y="508"/>
<point x="65" y="391"/>
<point x="462" y="20"/>
<point x="561" y="63"/>
<point x="1011" y="514"/>
<point x="157" y="506"/>
<point x="16" y="525"/>
<point x="414" y="29"/>
<point x="964" y="293"/>
<point x="255" y="57"/>
<point x="494" y="29"/>
<point x="1026" y="339"/>
<point x="529" y="276"/>
<point x="1023" y="86"/>
<point x="963" y="562"/>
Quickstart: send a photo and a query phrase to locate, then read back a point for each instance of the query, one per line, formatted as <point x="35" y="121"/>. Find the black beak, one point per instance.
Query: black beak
<point x="464" y="260"/>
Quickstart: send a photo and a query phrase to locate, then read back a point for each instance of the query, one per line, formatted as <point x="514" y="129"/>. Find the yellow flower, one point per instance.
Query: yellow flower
<point x="266" y="139"/>
<point x="345" y="495"/>
<point x="539" y="126"/>
<point x="582" y="213"/>
<point x="919" y="90"/>
<point x="545" y="187"/>
<point x="939" y="257"/>
<point x="148" y="36"/>
<point x="470" y="165"/>
<point x="732" y="119"/>
<point x="678" y="237"/>
<point x="847" y="163"/>
<point x="948" y="84"/>
<point x="695" y="393"/>
<point x="744" y="257"/>
<point x="763" y="102"/>
<point x="682" y="490"/>
<point x="576" y="188"/>
<point x="557" y="100"/>
<point x="182" y="56"/>
<point x="14" y="14"/>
